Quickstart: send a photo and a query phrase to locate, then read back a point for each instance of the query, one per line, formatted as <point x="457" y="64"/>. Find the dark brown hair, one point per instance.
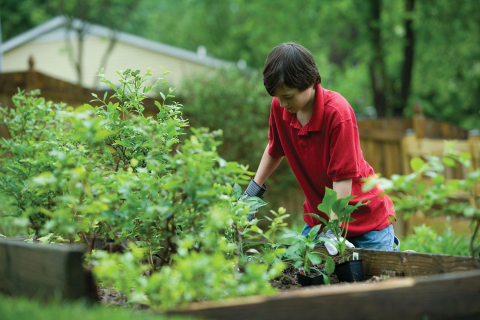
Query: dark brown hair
<point x="291" y="65"/>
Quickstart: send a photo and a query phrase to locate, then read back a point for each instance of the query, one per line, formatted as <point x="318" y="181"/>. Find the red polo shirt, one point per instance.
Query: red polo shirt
<point x="327" y="149"/>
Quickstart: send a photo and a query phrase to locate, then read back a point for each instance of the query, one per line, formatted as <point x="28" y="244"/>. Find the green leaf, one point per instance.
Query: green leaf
<point x="417" y="164"/>
<point x="314" y="232"/>
<point x="290" y="234"/>
<point x="314" y="258"/>
<point x="317" y="217"/>
<point x="465" y="156"/>
<point x="327" y="202"/>
<point x="449" y="161"/>
<point x="236" y="191"/>
<point x="293" y="248"/>
<point x="438" y="180"/>
<point x="329" y="264"/>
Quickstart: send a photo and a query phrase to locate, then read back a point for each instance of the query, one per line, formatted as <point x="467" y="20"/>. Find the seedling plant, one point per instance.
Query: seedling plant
<point x="340" y="208"/>
<point x="301" y="253"/>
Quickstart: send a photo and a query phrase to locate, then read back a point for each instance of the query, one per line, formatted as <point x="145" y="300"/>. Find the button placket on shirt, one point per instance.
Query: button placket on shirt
<point x="303" y="137"/>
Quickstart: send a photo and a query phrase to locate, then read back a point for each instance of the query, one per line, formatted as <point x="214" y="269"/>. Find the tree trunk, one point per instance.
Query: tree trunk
<point x="408" y="54"/>
<point x="378" y="75"/>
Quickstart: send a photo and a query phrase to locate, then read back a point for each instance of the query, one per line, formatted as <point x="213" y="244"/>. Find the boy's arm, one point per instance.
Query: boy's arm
<point x="268" y="164"/>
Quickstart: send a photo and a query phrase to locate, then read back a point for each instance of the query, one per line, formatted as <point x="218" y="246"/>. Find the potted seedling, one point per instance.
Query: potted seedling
<point x="348" y="270"/>
<point x="302" y="257"/>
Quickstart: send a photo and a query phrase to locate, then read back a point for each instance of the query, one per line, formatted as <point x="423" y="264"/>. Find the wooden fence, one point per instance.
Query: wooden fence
<point x="381" y="139"/>
<point x="54" y="89"/>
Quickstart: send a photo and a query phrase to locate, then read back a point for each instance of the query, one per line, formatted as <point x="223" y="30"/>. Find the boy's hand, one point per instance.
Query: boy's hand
<point x="253" y="190"/>
<point x="332" y="250"/>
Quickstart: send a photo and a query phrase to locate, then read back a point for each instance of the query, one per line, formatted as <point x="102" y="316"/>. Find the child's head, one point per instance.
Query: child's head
<point x="290" y="65"/>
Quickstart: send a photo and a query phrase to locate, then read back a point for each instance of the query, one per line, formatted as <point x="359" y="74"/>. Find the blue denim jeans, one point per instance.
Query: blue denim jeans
<point x="380" y="240"/>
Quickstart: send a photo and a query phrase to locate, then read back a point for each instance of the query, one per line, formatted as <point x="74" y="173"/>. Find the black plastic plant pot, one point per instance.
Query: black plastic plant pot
<point x="350" y="271"/>
<point x="310" y="280"/>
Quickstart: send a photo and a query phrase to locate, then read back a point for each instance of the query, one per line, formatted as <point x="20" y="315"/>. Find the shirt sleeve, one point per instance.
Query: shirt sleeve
<point x="275" y="148"/>
<point x="343" y="162"/>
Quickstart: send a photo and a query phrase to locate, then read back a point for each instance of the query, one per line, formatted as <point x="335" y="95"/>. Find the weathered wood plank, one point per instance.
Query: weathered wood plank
<point x="377" y="262"/>
<point x="447" y="296"/>
<point x="380" y="134"/>
<point x="41" y="271"/>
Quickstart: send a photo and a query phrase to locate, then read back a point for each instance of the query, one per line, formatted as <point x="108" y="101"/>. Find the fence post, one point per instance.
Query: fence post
<point x="419" y="121"/>
<point x="409" y="141"/>
<point x="474" y="147"/>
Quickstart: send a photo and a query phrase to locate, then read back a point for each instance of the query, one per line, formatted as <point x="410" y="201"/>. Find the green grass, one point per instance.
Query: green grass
<point x="24" y="309"/>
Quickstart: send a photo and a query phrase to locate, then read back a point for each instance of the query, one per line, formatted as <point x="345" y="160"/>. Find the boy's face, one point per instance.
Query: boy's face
<point x="295" y="100"/>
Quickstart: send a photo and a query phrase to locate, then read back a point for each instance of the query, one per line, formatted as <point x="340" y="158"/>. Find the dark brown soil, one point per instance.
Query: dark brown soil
<point x="288" y="280"/>
<point x="110" y="296"/>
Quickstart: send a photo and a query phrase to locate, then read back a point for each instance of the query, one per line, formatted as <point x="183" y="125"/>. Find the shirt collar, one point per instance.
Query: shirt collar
<point x="315" y="123"/>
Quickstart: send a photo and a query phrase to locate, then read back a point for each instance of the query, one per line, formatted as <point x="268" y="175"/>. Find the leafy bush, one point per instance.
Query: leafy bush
<point x="427" y="190"/>
<point x="427" y="240"/>
<point x="109" y="173"/>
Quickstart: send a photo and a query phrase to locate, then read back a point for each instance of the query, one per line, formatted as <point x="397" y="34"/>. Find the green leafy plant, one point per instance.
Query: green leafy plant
<point x="332" y="206"/>
<point x="270" y="250"/>
<point x="37" y="129"/>
<point x="301" y="253"/>
<point x="107" y="173"/>
<point x="428" y="240"/>
<point x="427" y="190"/>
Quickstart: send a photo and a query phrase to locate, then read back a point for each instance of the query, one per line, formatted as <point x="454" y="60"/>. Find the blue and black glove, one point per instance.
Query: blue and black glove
<point x="253" y="190"/>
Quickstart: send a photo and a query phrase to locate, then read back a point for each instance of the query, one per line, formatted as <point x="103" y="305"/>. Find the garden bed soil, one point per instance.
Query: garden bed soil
<point x="288" y="280"/>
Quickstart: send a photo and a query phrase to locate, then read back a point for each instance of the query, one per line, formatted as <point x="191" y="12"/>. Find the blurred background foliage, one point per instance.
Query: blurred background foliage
<point x="381" y="55"/>
<point x="361" y="47"/>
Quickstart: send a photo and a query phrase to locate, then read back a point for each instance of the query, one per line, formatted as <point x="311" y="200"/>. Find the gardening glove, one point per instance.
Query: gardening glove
<point x="253" y="190"/>
<point x="332" y="250"/>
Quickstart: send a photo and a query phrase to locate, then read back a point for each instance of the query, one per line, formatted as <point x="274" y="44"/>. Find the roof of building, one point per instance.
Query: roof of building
<point x="60" y="22"/>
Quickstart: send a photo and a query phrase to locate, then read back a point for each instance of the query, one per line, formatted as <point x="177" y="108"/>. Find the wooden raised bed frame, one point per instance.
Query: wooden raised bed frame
<point x="446" y="287"/>
<point x="44" y="272"/>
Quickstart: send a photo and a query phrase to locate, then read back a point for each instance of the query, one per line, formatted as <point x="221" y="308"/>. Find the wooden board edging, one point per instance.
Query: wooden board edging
<point x="445" y="296"/>
<point x="394" y="263"/>
<point x="44" y="272"/>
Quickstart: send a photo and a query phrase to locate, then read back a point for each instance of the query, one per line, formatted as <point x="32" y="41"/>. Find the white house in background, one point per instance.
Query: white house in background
<point x="47" y="44"/>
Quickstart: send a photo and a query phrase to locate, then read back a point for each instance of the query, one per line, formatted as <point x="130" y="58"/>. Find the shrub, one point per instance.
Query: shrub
<point x="427" y="240"/>
<point x="108" y="172"/>
<point x="427" y="190"/>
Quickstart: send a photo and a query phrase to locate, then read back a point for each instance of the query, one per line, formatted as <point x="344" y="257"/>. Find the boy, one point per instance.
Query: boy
<point x="316" y="130"/>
